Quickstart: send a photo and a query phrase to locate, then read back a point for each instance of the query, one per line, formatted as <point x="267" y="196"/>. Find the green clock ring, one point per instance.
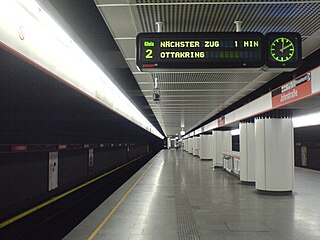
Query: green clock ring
<point x="282" y="49"/>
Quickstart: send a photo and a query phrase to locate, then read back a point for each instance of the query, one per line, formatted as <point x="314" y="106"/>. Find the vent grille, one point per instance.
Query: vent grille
<point x="190" y="97"/>
<point x="219" y="16"/>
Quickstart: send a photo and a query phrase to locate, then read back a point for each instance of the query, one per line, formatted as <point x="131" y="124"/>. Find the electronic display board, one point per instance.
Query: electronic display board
<point x="283" y="50"/>
<point x="200" y="50"/>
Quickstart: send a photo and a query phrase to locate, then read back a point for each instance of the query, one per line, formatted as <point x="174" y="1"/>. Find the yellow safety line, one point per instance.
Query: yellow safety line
<point x="54" y="199"/>
<point x="106" y="219"/>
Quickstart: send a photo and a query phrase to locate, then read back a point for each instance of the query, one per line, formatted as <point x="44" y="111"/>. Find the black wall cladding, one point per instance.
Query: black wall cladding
<point x="309" y="138"/>
<point x="35" y="108"/>
<point x="24" y="176"/>
<point x="23" y="180"/>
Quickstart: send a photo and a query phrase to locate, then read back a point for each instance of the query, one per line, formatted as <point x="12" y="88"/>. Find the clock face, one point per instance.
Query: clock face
<point x="282" y="49"/>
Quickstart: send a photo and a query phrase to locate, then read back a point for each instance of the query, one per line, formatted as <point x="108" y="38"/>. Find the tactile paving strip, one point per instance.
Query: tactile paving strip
<point x="187" y="228"/>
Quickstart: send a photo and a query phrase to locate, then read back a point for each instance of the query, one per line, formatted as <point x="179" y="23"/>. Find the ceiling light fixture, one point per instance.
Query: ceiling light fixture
<point x="47" y="45"/>
<point x="306" y="120"/>
<point x="235" y="132"/>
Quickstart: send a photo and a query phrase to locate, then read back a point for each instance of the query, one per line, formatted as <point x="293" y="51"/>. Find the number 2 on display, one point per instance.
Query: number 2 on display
<point x="149" y="53"/>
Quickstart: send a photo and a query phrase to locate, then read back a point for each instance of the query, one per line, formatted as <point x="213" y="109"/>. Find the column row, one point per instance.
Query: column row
<point x="266" y="152"/>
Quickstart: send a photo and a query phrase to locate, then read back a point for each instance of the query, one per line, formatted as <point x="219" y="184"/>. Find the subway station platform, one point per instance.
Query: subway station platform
<point x="178" y="196"/>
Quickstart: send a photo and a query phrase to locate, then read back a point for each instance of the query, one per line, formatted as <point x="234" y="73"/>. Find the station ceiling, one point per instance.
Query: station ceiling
<point x="187" y="98"/>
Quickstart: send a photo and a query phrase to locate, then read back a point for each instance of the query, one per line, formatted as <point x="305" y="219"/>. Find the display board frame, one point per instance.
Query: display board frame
<point x="249" y="52"/>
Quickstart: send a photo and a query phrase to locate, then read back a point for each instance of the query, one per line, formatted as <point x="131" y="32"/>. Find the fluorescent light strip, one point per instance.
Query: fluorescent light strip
<point x="300" y="121"/>
<point x="235" y="132"/>
<point x="306" y="120"/>
<point x="44" y="42"/>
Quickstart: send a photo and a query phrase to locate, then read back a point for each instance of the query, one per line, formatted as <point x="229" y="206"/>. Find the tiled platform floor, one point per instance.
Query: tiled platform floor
<point x="182" y="197"/>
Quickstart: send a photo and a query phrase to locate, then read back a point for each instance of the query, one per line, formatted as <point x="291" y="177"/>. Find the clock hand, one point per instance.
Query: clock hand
<point x="284" y="48"/>
<point x="281" y="50"/>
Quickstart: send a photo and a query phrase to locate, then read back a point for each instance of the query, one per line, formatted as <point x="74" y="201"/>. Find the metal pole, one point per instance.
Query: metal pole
<point x="238" y="26"/>
<point x="159" y="27"/>
<point x="155" y="83"/>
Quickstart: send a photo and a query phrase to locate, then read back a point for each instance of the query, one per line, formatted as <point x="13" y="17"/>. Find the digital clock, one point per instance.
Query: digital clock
<point x="283" y="50"/>
<point x="200" y="50"/>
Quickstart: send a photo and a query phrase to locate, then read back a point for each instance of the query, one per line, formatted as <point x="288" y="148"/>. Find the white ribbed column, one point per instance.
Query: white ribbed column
<point x="221" y="142"/>
<point x="190" y="145"/>
<point x="187" y="144"/>
<point x="195" y="146"/>
<point x="247" y="152"/>
<point x="168" y="143"/>
<point x="198" y="147"/>
<point x="206" y="147"/>
<point x="227" y="141"/>
<point x="274" y="154"/>
<point x="214" y="148"/>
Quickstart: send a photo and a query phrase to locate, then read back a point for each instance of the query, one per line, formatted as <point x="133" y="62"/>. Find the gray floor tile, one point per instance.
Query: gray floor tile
<point x="211" y="237"/>
<point x="153" y="237"/>
<point x="180" y="191"/>
<point x="117" y="236"/>
<point x="247" y="227"/>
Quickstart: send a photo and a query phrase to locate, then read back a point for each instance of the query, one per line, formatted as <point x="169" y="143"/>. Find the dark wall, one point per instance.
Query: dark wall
<point x="86" y="22"/>
<point x="307" y="138"/>
<point x="35" y="108"/>
<point x="108" y="159"/>
<point x="24" y="177"/>
<point x="73" y="165"/>
<point x="236" y="143"/>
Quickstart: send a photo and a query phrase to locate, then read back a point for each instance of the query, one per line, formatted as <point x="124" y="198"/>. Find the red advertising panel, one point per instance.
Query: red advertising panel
<point x="292" y="91"/>
<point x="221" y="121"/>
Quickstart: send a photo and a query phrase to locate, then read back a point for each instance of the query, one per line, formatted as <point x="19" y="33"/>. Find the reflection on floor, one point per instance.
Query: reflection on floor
<point x="182" y="197"/>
